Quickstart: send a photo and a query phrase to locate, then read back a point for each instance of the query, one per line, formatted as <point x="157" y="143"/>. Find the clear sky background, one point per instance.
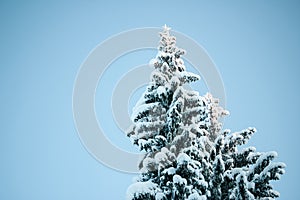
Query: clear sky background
<point x="255" y="45"/>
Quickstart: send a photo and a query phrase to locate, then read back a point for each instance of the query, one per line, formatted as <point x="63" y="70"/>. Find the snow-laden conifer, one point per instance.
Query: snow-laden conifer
<point x="188" y="155"/>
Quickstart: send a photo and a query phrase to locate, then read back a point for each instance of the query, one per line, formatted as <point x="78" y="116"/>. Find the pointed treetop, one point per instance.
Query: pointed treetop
<point x="166" y="29"/>
<point x="168" y="43"/>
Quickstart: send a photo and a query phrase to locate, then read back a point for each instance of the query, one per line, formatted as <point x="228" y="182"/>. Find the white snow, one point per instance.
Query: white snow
<point x="160" y="157"/>
<point x="189" y="74"/>
<point x="159" y="196"/>
<point x="179" y="180"/>
<point x="250" y="185"/>
<point x="148" y="128"/>
<point x="266" y="157"/>
<point x="266" y="172"/>
<point x="140" y="188"/>
<point x="161" y="90"/>
<point x="141" y="108"/>
<point x="152" y="62"/>
<point x="148" y="163"/>
<point x="196" y="196"/>
<point x="187" y="77"/>
<point x="169" y="171"/>
<point x="183" y="158"/>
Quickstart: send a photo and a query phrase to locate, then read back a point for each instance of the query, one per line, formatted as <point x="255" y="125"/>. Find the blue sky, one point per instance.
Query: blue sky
<point x="255" y="45"/>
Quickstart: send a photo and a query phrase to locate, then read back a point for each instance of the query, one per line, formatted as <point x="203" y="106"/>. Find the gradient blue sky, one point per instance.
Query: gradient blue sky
<point x="255" y="45"/>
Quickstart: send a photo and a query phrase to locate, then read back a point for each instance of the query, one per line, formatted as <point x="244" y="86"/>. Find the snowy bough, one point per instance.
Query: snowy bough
<point x="188" y="155"/>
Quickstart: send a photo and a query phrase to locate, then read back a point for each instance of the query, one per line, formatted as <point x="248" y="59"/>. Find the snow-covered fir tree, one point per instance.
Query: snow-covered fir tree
<point x="188" y="155"/>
